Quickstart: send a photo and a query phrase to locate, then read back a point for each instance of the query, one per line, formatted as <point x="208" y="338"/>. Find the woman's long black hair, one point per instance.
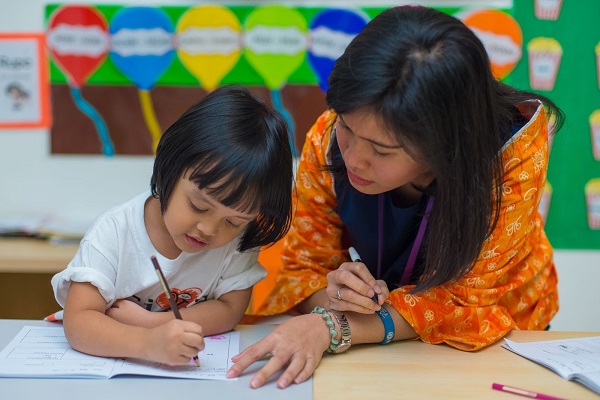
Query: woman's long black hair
<point x="428" y="77"/>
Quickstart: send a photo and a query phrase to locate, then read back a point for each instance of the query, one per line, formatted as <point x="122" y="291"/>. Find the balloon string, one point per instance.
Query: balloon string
<point x="87" y="109"/>
<point x="278" y="103"/>
<point x="150" y="117"/>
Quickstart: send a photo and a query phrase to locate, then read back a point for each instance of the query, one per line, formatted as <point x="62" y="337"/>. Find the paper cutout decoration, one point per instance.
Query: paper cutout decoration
<point x="501" y="36"/>
<point x="142" y="49"/>
<point x="275" y="46"/>
<point x="547" y="9"/>
<point x="592" y="199"/>
<point x="544" y="206"/>
<point x="331" y="31"/>
<point x="595" y="133"/>
<point x="78" y="43"/>
<point x="597" y="51"/>
<point x="544" y="56"/>
<point x="209" y="43"/>
<point x="551" y="131"/>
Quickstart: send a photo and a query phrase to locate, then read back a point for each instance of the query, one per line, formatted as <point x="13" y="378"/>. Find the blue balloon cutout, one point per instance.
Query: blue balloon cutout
<point x="340" y="22"/>
<point x="143" y="69"/>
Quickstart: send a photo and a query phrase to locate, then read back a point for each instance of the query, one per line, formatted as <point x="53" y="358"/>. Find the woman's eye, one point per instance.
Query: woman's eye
<point x="378" y="154"/>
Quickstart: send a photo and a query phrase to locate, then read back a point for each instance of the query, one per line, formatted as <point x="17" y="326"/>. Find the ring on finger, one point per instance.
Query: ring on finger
<point x="338" y="295"/>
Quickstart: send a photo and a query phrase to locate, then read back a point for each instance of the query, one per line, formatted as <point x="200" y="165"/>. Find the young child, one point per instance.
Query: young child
<point x="220" y="189"/>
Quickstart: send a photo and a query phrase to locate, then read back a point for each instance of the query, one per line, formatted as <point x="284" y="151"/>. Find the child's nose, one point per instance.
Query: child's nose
<point x="207" y="227"/>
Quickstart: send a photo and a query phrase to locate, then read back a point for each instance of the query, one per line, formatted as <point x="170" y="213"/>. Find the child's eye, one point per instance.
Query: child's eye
<point x="231" y="224"/>
<point x="196" y="209"/>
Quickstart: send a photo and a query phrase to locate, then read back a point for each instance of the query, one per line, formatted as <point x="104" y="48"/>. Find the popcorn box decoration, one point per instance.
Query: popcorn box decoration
<point x="595" y="133"/>
<point x="544" y="55"/>
<point x="547" y="9"/>
<point x="544" y="206"/>
<point x="597" y="50"/>
<point x="592" y="199"/>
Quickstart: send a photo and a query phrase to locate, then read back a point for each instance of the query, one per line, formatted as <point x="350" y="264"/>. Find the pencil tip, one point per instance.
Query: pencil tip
<point x="197" y="361"/>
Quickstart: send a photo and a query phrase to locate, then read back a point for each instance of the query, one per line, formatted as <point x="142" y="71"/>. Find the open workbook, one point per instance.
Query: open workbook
<point x="573" y="359"/>
<point x="43" y="352"/>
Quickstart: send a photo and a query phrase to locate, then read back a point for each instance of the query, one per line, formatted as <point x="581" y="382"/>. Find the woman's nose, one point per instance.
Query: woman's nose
<point x="355" y="156"/>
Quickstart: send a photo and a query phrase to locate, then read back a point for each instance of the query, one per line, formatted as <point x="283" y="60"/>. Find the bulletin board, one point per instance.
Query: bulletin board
<point x="110" y="98"/>
<point x="560" y="60"/>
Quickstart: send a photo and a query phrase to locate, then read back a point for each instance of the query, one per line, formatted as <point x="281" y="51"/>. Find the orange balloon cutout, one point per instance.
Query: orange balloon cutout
<point x="501" y="35"/>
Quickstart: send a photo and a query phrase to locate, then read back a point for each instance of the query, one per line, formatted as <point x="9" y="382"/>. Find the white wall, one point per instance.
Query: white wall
<point x="75" y="188"/>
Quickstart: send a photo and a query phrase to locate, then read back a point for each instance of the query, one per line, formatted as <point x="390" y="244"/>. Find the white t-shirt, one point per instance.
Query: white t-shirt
<point x="115" y="255"/>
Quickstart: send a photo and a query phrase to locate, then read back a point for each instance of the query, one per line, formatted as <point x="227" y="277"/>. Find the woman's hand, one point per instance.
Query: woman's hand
<point x="296" y="345"/>
<point x="351" y="287"/>
<point x="175" y="342"/>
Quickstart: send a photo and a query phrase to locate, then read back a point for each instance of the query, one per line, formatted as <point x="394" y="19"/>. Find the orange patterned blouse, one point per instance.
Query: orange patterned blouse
<point x="513" y="284"/>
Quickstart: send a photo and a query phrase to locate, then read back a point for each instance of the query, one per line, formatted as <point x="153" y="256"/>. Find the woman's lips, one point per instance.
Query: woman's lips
<point x="358" y="180"/>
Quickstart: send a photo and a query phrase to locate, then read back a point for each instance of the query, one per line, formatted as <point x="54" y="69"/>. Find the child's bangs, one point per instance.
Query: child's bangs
<point x="235" y="183"/>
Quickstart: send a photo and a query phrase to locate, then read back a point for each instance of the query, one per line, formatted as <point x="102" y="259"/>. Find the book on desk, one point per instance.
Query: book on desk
<point x="43" y="352"/>
<point x="573" y="359"/>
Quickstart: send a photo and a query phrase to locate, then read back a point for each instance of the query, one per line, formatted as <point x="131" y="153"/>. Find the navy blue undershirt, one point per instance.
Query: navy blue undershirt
<point x="359" y="213"/>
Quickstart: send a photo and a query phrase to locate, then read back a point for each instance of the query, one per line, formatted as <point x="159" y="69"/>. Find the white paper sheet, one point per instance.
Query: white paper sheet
<point x="43" y="352"/>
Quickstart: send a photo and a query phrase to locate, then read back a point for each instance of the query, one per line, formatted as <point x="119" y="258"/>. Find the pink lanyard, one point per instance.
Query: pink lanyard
<point x="416" y="245"/>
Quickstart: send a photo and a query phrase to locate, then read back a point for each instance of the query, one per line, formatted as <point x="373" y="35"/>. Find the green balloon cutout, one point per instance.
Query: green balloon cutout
<point x="275" y="42"/>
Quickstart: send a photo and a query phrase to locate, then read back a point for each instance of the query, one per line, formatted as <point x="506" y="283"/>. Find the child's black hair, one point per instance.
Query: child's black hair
<point x="237" y="148"/>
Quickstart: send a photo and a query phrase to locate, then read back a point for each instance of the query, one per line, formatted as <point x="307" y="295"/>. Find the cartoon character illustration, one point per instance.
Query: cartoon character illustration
<point x="17" y="95"/>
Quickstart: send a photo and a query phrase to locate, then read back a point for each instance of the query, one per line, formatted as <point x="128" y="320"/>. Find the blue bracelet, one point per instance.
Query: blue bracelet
<point x="388" y="325"/>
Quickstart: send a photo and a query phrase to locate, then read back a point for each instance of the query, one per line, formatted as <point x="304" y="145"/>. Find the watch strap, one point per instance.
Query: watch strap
<point x="346" y="339"/>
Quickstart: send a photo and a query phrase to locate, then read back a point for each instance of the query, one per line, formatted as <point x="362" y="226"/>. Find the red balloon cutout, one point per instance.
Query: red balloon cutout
<point x="77" y="63"/>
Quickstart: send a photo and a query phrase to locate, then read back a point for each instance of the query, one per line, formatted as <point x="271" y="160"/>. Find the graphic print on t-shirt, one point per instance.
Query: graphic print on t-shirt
<point x="183" y="298"/>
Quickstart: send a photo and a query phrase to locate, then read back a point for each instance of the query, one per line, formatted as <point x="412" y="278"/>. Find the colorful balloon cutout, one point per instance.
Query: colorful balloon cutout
<point x="209" y="43"/>
<point x="142" y="49"/>
<point x="331" y="31"/>
<point x="275" y="42"/>
<point x="78" y="43"/>
<point x="275" y="46"/>
<point x="501" y="35"/>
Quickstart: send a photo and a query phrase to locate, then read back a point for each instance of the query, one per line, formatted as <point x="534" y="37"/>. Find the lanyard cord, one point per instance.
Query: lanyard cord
<point x="380" y="225"/>
<point x="416" y="245"/>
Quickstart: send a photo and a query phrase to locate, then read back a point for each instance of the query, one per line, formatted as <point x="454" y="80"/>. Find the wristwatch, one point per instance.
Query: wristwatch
<point x="346" y="340"/>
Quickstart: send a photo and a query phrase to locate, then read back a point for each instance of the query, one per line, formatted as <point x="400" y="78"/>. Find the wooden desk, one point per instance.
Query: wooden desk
<point x="416" y="370"/>
<point x="26" y="267"/>
<point x="34" y="256"/>
<point x="401" y="370"/>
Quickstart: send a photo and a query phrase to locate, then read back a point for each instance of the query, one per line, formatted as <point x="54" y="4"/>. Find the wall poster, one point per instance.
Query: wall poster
<point x="24" y="101"/>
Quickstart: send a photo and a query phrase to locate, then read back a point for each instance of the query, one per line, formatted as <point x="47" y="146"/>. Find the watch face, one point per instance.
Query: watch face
<point x="343" y="346"/>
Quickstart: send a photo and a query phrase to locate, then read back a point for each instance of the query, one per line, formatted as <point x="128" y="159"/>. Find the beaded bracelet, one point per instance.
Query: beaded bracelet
<point x="333" y="345"/>
<point x="388" y="325"/>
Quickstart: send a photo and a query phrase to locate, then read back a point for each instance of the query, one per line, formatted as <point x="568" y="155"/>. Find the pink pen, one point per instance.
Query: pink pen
<point x="524" y="393"/>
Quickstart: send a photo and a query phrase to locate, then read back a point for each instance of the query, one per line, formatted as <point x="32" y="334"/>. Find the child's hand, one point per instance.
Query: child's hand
<point x="175" y="342"/>
<point x="351" y="287"/>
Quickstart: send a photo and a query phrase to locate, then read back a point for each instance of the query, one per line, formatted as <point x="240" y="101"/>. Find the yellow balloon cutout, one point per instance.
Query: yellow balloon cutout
<point x="209" y="43"/>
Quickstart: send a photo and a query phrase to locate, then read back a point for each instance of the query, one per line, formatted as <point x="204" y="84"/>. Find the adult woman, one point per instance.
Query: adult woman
<point x="433" y="170"/>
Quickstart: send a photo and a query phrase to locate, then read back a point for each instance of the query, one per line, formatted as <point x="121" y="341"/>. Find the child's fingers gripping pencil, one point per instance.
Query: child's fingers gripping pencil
<point x="167" y="290"/>
<point x="356" y="258"/>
